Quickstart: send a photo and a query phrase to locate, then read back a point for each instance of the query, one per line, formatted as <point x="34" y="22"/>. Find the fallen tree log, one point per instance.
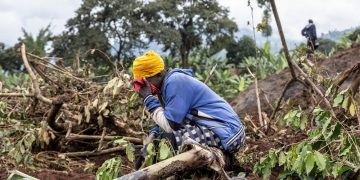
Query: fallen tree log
<point x="196" y="157"/>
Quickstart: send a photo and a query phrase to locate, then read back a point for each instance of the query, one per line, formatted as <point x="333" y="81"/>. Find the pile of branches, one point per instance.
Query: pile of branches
<point x="64" y="112"/>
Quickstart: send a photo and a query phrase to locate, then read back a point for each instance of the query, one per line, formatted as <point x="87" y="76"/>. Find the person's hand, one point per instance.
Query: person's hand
<point x="145" y="90"/>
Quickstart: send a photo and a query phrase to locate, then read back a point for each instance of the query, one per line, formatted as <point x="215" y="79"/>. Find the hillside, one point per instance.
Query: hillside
<point x="335" y="34"/>
<point x="272" y="86"/>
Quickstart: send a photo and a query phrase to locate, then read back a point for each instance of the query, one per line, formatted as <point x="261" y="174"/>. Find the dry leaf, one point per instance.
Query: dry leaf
<point x="103" y="106"/>
<point x="106" y="113"/>
<point x="352" y="109"/>
<point x="100" y="121"/>
<point x="45" y="137"/>
<point x="95" y="103"/>
<point x="87" y="113"/>
<point x="110" y="85"/>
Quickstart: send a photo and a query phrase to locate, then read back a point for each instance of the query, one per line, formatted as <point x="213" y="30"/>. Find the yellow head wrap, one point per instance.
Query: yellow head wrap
<point x="147" y="65"/>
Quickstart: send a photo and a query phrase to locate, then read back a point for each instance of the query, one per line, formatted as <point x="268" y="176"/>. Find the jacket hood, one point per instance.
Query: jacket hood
<point x="188" y="72"/>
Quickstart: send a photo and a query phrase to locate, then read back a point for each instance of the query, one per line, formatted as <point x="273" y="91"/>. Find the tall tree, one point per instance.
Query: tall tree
<point x="241" y="49"/>
<point x="264" y="27"/>
<point x="355" y="35"/>
<point x="36" y="45"/>
<point x="111" y="26"/>
<point x="10" y="58"/>
<point x="326" y="45"/>
<point x="182" y="25"/>
<point x="72" y="45"/>
<point x="220" y="43"/>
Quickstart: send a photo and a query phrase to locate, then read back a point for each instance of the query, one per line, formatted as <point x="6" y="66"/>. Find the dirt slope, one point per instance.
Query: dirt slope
<point x="272" y="86"/>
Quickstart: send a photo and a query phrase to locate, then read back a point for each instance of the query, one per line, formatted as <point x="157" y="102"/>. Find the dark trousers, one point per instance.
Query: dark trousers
<point x="311" y="45"/>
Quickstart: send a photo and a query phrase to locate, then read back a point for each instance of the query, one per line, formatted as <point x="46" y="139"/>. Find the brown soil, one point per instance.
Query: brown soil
<point x="75" y="174"/>
<point x="3" y="173"/>
<point x="272" y="86"/>
<point x="48" y="174"/>
<point x="59" y="175"/>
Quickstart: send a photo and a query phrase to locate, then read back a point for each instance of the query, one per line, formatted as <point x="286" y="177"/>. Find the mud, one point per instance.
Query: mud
<point x="3" y="173"/>
<point x="75" y="174"/>
<point x="47" y="174"/>
<point x="175" y="166"/>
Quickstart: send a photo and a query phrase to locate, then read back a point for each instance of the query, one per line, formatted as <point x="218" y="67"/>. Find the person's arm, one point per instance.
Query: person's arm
<point x="157" y="113"/>
<point x="154" y="107"/>
<point x="159" y="117"/>
<point x="178" y="99"/>
<point x="303" y="31"/>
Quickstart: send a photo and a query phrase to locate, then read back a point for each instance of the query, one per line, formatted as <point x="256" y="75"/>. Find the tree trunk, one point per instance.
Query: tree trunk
<point x="282" y="37"/>
<point x="197" y="157"/>
<point x="184" y="57"/>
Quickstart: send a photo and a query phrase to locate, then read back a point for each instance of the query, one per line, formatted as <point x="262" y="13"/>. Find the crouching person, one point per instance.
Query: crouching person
<point x="185" y="107"/>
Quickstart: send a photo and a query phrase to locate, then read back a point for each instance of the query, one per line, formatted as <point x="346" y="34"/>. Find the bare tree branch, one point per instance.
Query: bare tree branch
<point x="34" y="81"/>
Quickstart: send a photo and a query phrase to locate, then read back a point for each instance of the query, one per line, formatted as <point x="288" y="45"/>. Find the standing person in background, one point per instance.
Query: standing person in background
<point x="309" y="31"/>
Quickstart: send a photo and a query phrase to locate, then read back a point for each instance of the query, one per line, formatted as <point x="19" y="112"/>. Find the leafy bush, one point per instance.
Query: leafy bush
<point x="330" y="149"/>
<point x="354" y="36"/>
<point x="238" y="51"/>
<point x="266" y="64"/>
<point x="326" y="46"/>
<point x="11" y="80"/>
<point x="17" y="139"/>
<point x="109" y="169"/>
<point x="222" y="82"/>
<point x="344" y="43"/>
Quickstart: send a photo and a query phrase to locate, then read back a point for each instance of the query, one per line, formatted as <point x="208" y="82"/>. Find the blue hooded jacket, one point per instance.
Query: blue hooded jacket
<point x="183" y="95"/>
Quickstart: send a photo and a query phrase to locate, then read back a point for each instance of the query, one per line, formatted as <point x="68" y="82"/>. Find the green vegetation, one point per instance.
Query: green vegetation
<point x="264" y="27"/>
<point x="355" y="35"/>
<point x="109" y="169"/>
<point x="266" y="64"/>
<point x="326" y="46"/>
<point x="179" y="26"/>
<point x="10" y="58"/>
<point x="13" y="80"/>
<point x="182" y="26"/>
<point x="238" y="51"/>
<point x="330" y="149"/>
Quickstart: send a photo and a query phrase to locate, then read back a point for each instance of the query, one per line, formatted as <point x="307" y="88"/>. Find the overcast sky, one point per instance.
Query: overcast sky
<point x="327" y="15"/>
